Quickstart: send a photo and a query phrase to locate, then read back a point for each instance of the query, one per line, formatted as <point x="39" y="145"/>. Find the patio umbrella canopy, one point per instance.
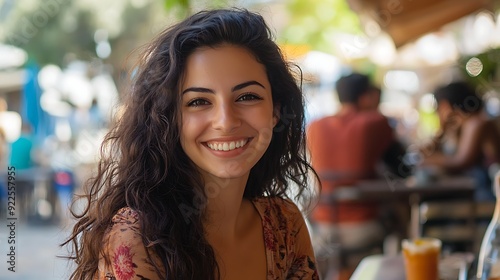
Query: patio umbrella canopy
<point x="407" y="20"/>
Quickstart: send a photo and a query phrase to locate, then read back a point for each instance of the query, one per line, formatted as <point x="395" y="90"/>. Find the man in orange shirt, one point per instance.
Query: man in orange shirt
<point x="347" y="147"/>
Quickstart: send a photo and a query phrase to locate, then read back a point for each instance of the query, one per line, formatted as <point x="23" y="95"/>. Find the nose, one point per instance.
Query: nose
<point x="226" y="118"/>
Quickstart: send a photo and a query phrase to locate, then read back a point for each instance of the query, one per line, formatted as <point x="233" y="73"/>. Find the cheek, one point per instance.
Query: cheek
<point x="265" y="126"/>
<point x="443" y="113"/>
<point x="188" y="129"/>
<point x="264" y="120"/>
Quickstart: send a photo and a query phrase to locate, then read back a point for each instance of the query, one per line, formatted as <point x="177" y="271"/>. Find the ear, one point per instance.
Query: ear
<point x="276" y="114"/>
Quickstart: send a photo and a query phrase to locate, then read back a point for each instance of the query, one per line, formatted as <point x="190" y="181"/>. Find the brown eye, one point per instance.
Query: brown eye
<point x="249" y="97"/>
<point x="197" y="102"/>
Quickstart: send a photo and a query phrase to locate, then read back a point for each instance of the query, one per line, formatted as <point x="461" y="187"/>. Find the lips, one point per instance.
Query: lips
<point x="227" y="145"/>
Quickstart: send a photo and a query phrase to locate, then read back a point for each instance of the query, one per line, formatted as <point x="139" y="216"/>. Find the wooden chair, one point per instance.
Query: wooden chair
<point x="336" y="252"/>
<point x="459" y="224"/>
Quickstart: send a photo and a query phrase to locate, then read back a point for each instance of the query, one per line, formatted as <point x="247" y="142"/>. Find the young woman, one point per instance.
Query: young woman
<point x="194" y="177"/>
<point x="469" y="141"/>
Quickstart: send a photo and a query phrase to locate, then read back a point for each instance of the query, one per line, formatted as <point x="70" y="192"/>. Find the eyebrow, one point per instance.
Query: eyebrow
<point x="235" y="88"/>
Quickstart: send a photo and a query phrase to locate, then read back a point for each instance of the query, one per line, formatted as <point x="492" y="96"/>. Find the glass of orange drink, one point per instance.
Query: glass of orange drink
<point x="421" y="258"/>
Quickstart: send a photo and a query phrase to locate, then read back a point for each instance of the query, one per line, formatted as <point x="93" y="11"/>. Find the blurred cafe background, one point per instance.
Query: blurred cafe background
<point x="64" y="65"/>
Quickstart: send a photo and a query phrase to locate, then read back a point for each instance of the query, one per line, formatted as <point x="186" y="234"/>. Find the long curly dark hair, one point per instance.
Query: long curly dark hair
<point x="142" y="163"/>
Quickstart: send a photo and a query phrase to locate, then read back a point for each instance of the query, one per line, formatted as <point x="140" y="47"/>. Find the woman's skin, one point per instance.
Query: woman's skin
<point x="226" y="103"/>
<point x="476" y="137"/>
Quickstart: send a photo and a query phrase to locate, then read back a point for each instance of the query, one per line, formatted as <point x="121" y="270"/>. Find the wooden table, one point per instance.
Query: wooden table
<point x="441" y="187"/>
<point x="380" y="267"/>
<point x="391" y="189"/>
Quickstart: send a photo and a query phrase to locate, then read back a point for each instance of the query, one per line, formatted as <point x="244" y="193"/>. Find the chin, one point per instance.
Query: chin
<point x="229" y="172"/>
<point x="230" y="175"/>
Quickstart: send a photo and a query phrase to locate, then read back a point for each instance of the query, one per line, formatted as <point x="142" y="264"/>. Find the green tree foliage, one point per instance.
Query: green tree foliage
<point x="311" y="22"/>
<point x="50" y="30"/>
<point x="316" y="22"/>
<point x="55" y="30"/>
<point x="301" y="25"/>
<point x="50" y="42"/>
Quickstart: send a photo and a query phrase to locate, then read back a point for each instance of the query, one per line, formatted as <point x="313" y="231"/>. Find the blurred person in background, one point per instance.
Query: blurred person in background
<point x="21" y="149"/>
<point x="347" y="147"/>
<point x="468" y="141"/>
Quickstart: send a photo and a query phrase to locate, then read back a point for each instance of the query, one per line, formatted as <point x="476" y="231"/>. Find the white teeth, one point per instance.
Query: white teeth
<point x="227" y="146"/>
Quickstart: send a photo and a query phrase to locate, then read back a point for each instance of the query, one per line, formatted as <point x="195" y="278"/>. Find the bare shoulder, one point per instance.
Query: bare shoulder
<point x="478" y="120"/>
<point x="475" y="125"/>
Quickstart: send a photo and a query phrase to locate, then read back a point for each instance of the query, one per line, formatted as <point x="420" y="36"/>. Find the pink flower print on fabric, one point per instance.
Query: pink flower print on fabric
<point x="269" y="239"/>
<point x="123" y="264"/>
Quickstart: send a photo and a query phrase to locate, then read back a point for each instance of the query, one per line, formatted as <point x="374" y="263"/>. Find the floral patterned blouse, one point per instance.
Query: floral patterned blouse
<point x="288" y="247"/>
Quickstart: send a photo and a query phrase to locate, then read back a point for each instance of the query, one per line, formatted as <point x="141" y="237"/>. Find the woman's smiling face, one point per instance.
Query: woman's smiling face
<point x="227" y="112"/>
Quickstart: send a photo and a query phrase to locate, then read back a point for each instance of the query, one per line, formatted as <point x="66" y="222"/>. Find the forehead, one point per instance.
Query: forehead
<point x="224" y="64"/>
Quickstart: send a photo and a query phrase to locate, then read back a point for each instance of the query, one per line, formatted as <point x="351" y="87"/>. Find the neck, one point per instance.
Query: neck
<point x="347" y="108"/>
<point x="225" y="208"/>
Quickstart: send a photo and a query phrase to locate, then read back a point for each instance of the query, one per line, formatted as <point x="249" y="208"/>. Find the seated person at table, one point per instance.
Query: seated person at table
<point x="345" y="148"/>
<point x="468" y="142"/>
